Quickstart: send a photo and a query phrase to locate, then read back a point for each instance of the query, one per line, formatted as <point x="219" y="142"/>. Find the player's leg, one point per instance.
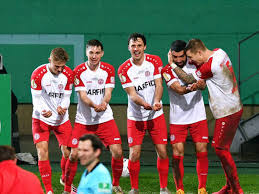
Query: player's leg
<point x="177" y="165"/>
<point x="63" y="134"/>
<point x="158" y="132"/>
<point x="135" y="132"/>
<point x="199" y="133"/>
<point x="40" y="132"/>
<point x="225" y="129"/>
<point x="108" y="132"/>
<point x="178" y="135"/>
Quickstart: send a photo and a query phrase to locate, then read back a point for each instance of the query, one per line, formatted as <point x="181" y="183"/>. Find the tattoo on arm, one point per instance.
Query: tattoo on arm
<point x="187" y="78"/>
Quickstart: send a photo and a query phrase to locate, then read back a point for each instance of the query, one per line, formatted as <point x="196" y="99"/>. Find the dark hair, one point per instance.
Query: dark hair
<point x="94" y="42"/>
<point x="194" y="45"/>
<point x="135" y="36"/>
<point x="96" y="142"/>
<point x="178" y="45"/>
<point x="7" y="153"/>
<point x="59" y="55"/>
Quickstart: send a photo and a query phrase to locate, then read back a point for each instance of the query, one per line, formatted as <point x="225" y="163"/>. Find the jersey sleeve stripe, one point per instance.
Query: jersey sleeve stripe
<point x="127" y="85"/>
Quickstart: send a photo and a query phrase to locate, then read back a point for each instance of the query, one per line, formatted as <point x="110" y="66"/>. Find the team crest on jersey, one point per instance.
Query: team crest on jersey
<point x="122" y="78"/>
<point x="76" y="81"/>
<point x="74" y="141"/>
<point x="147" y="73"/>
<point x="112" y="80"/>
<point x="130" y="140"/>
<point x="60" y="86"/>
<point x="100" y="81"/>
<point x="33" y="84"/>
<point x="36" y="136"/>
<point x="166" y="76"/>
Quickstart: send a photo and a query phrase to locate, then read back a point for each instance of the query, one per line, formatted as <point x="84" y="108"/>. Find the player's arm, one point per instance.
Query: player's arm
<point x="187" y="78"/>
<point x="181" y="90"/>
<point x="158" y="94"/>
<point x="83" y="96"/>
<point x="136" y="98"/>
<point x="106" y="99"/>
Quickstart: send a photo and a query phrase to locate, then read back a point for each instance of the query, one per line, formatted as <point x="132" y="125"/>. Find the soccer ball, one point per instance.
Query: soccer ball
<point x="125" y="171"/>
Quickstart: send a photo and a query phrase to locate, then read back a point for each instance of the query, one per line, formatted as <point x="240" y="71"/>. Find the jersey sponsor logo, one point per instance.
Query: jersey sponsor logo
<point x="122" y="78"/>
<point x="33" y="84"/>
<point x="145" y="85"/>
<point x="166" y="76"/>
<point x="95" y="91"/>
<point x="74" y="141"/>
<point x="147" y="73"/>
<point x="130" y="140"/>
<point x="112" y="79"/>
<point x="76" y="81"/>
<point x="100" y="81"/>
<point x="55" y="95"/>
<point x="36" y="136"/>
<point x="104" y="187"/>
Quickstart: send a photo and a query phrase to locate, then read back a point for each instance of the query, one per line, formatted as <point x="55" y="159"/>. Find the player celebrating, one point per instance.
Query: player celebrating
<point x="94" y="82"/>
<point x="141" y="78"/>
<point x="51" y="87"/>
<point x="216" y="68"/>
<point x="187" y="111"/>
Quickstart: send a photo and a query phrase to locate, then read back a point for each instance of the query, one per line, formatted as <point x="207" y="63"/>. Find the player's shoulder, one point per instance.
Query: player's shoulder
<point x="152" y="58"/>
<point x="106" y="66"/>
<point x="166" y="68"/>
<point x="39" y="71"/>
<point x="125" y="66"/>
<point x="67" y="71"/>
<point x="80" y="68"/>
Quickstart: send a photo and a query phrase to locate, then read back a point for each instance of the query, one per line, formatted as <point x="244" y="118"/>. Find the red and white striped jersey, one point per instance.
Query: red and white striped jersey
<point x="94" y="84"/>
<point x="143" y="79"/>
<point x="184" y="109"/>
<point x="224" y="97"/>
<point x="51" y="90"/>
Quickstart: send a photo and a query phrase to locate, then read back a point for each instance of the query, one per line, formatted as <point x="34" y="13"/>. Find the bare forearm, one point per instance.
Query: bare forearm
<point x="158" y="93"/>
<point x="187" y="78"/>
<point x="87" y="101"/>
<point x="138" y="100"/>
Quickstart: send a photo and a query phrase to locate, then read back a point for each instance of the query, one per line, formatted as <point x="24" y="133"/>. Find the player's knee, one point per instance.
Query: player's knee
<point x="73" y="155"/>
<point x="134" y="156"/>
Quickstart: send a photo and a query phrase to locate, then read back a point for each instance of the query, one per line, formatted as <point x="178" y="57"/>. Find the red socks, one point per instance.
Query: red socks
<point x="229" y="167"/>
<point x="63" y="166"/>
<point x="163" y="167"/>
<point x="45" y="172"/>
<point x="117" y="167"/>
<point x="134" y="168"/>
<point x="202" y="168"/>
<point x="178" y="171"/>
<point x="71" y="168"/>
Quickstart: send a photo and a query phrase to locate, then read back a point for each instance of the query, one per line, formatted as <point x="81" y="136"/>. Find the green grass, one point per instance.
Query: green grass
<point x="149" y="182"/>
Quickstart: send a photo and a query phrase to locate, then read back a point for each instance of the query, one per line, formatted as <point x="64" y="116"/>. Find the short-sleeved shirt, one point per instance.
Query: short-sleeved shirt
<point x="52" y="89"/>
<point x="14" y="179"/>
<point x="224" y="97"/>
<point x="184" y="109"/>
<point x="94" y="84"/>
<point x="143" y="79"/>
<point x="98" y="181"/>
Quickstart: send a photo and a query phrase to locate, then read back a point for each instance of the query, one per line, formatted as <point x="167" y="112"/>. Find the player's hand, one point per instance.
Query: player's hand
<point x="101" y="107"/>
<point x="170" y="57"/>
<point x="147" y="106"/>
<point x="61" y="111"/>
<point x="157" y="106"/>
<point x="46" y="114"/>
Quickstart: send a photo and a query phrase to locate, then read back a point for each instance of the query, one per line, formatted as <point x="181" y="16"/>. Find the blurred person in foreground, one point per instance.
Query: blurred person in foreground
<point x="14" y="179"/>
<point x="96" y="178"/>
